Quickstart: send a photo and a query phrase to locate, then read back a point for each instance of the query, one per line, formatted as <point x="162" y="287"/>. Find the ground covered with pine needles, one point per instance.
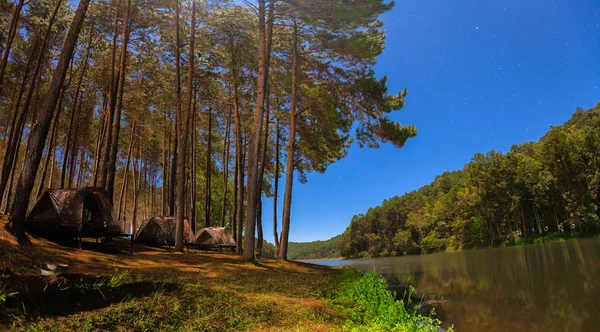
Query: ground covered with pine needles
<point x="107" y="288"/>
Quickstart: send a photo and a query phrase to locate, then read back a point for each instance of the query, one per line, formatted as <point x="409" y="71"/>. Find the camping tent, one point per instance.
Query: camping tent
<point x="215" y="237"/>
<point x="84" y="212"/>
<point x="160" y="231"/>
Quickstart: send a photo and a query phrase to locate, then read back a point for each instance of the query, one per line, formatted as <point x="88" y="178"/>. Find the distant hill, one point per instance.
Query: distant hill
<point x="315" y="249"/>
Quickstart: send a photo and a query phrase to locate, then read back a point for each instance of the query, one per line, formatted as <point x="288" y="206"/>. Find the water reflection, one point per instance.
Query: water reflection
<point x="542" y="287"/>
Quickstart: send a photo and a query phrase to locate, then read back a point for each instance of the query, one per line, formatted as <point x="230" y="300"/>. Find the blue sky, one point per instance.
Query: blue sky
<point x="480" y="75"/>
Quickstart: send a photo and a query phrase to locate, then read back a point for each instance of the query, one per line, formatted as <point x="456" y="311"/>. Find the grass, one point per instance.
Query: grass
<point x="106" y="288"/>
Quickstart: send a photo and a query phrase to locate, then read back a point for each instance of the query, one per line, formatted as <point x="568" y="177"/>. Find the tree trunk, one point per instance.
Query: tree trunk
<point x="289" y="176"/>
<point x="114" y="146"/>
<point x="113" y="88"/>
<point x="50" y="150"/>
<point x="261" y="175"/>
<point x="264" y="50"/>
<point x="177" y="129"/>
<point x="193" y="168"/>
<point x="129" y="151"/>
<point x="165" y="166"/>
<point x="239" y="174"/>
<point x="74" y="111"/>
<point x="207" y="193"/>
<point x="226" y="146"/>
<point x="39" y="131"/>
<point x="242" y="190"/>
<point x="82" y="165"/>
<point x="73" y="154"/>
<point x="99" y="140"/>
<point x="181" y="157"/>
<point x="137" y="185"/>
<point x="276" y="185"/>
<point x="9" y="153"/>
<point x="12" y="32"/>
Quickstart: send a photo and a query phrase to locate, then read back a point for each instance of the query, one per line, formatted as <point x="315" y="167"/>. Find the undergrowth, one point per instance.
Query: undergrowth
<point x="370" y="306"/>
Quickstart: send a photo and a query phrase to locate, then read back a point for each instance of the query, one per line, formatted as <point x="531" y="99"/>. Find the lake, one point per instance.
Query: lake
<point x="540" y="287"/>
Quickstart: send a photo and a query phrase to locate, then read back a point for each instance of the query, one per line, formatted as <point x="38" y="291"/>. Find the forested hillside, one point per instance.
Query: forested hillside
<point x="315" y="249"/>
<point x="535" y="189"/>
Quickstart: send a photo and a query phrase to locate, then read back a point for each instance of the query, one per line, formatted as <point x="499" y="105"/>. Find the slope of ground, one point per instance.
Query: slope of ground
<point x="107" y="288"/>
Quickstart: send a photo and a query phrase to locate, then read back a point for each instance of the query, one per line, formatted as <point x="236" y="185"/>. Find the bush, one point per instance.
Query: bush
<point x="371" y="306"/>
<point x="431" y="243"/>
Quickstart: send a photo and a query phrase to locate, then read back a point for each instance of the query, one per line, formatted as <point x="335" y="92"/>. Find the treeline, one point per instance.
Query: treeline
<point x="550" y="187"/>
<point x="315" y="249"/>
<point x="187" y="108"/>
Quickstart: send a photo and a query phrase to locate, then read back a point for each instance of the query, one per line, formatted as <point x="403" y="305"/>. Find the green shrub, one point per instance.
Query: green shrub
<point x="371" y="306"/>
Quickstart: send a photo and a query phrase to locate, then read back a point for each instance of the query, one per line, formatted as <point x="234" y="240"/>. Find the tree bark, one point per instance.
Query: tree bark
<point x="276" y="185"/>
<point x="114" y="146"/>
<point x="181" y="157"/>
<point x="261" y="175"/>
<point x="125" y="175"/>
<point x="226" y="146"/>
<point x="40" y="129"/>
<point x="137" y="185"/>
<point x="264" y="45"/>
<point x="289" y="176"/>
<point x="165" y="165"/>
<point x="207" y="189"/>
<point x="242" y="191"/>
<point x="177" y="112"/>
<point x="50" y="150"/>
<point x="113" y="88"/>
<point x="74" y="111"/>
<point x="74" y="149"/>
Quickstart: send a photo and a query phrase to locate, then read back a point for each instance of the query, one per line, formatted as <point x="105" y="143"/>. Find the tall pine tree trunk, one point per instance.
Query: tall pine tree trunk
<point x="70" y="146"/>
<point x="114" y="146"/>
<point x="129" y="151"/>
<point x="289" y="175"/>
<point x="177" y="130"/>
<point x="39" y="132"/>
<point x="207" y="191"/>
<point x="50" y="150"/>
<point x="226" y="146"/>
<point x="181" y="157"/>
<point x="276" y="185"/>
<point x="264" y="51"/>
<point x="261" y="175"/>
<point x="102" y="174"/>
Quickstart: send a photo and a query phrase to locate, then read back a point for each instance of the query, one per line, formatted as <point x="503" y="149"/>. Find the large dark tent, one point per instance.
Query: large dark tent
<point x="215" y="237"/>
<point x="160" y="231"/>
<point x="84" y="212"/>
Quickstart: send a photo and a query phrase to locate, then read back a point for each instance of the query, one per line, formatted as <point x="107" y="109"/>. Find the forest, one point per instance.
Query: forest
<point x="535" y="191"/>
<point x="196" y="109"/>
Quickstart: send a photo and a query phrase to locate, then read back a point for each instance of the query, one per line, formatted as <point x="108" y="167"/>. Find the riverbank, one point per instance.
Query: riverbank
<point x="107" y="288"/>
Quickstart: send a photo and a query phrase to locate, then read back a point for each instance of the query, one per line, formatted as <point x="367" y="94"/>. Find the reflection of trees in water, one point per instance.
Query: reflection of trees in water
<point x="548" y="287"/>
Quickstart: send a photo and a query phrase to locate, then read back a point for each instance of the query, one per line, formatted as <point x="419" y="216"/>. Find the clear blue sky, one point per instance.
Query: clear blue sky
<point x="480" y="75"/>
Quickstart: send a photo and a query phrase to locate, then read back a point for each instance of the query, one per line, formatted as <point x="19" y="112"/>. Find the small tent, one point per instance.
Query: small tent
<point x="215" y="237"/>
<point x="83" y="212"/>
<point x="160" y="231"/>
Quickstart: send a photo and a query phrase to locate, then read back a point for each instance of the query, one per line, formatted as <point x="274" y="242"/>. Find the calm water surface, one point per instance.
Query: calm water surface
<point x="541" y="287"/>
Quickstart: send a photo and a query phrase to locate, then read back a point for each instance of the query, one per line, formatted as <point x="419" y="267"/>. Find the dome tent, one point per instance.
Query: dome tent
<point x="215" y="237"/>
<point x="160" y="231"/>
<point x="83" y="212"/>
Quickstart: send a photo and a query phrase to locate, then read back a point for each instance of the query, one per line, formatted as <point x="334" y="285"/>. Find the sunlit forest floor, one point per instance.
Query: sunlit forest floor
<point x="107" y="288"/>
